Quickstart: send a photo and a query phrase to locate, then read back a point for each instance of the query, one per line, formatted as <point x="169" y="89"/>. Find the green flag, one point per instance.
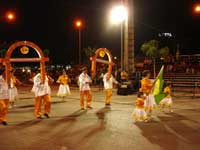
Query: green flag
<point x="158" y="86"/>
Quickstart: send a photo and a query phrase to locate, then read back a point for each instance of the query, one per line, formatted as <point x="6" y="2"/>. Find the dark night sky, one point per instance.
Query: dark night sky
<point x="49" y="23"/>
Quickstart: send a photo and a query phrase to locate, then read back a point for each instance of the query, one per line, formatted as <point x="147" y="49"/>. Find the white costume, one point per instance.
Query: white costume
<point x="63" y="90"/>
<point x="40" y="88"/>
<point x="84" y="80"/>
<point x="139" y="113"/>
<point x="108" y="84"/>
<point x="64" y="86"/>
<point x="13" y="92"/>
<point x="4" y="100"/>
<point x="3" y="89"/>
<point x="168" y="99"/>
<point x="84" y="87"/>
<point x="150" y="101"/>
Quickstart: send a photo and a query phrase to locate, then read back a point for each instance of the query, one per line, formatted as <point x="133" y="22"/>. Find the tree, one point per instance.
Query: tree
<point x="87" y="53"/>
<point x="46" y="52"/>
<point x="152" y="49"/>
<point x="164" y="52"/>
<point x="3" y="52"/>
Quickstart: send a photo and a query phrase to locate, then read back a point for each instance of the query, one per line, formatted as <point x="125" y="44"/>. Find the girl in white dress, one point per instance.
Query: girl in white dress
<point x="139" y="113"/>
<point x="167" y="101"/>
<point x="13" y="92"/>
<point x="146" y="88"/>
<point x="63" y="90"/>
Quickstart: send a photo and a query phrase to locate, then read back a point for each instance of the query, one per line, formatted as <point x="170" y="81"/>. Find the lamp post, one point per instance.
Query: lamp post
<point x="119" y="15"/>
<point x="78" y="25"/>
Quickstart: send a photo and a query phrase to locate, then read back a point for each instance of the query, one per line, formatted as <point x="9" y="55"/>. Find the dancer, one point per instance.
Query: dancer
<point x="108" y="86"/>
<point x="13" y="92"/>
<point x="4" y="98"/>
<point x="63" y="90"/>
<point x="84" y="81"/>
<point x="167" y="101"/>
<point x="139" y="113"/>
<point x="146" y="89"/>
<point x="42" y="91"/>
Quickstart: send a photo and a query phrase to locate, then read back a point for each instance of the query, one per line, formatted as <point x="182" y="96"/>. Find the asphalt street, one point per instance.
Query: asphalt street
<point x="100" y="128"/>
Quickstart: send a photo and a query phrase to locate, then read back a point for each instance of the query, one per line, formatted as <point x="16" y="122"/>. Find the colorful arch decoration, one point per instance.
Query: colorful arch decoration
<point x="94" y="60"/>
<point x="8" y="60"/>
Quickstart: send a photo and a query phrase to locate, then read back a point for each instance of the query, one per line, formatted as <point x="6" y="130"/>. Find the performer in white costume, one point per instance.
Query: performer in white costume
<point x="4" y="98"/>
<point x="139" y="113"/>
<point x="108" y="86"/>
<point x="84" y="81"/>
<point x="13" y="92"/>
<point x="146" y="88"/>
<point x="167" y="101"/>
<point x="42" y="91"/>
<point x="63" y="90"/>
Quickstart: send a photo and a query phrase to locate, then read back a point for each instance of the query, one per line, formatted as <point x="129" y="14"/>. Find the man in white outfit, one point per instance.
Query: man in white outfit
<point x="4" y="98"/>
<point x="42" y="91"/>
<point x="108" y="86"/>
<point x="84" y="86"/>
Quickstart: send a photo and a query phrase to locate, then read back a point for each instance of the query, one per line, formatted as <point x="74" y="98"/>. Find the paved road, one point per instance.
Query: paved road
<point x="70" y="128"/>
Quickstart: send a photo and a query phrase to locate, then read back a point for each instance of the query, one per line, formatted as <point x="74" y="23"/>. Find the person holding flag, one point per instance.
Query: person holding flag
<point x="146" y="88"/>
<point x="158" y="87"/>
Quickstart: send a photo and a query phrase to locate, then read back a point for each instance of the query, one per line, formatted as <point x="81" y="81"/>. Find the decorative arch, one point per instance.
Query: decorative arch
<point x="94" y="60"/>
<point x="8" y="60"/>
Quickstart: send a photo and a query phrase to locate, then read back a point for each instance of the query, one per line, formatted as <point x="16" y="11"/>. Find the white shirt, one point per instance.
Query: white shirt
<point x="108" y="83"/>
<point x="39" y="88"/>
<point x="3" y="89"/>
<point x="84" y="80"/>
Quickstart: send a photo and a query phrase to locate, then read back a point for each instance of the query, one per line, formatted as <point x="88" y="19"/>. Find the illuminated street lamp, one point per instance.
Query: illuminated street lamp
<point x="197" y="8"/>
<point x="119" y="15"/>
<point x="79" y="25"/>
<point x="10" y="16"/>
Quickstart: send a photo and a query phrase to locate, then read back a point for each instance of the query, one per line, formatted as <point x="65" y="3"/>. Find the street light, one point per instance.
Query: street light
<point x="10" y="16"/>
<point x="197" y="8"/>
<point x="79" y="25"/>
<point x="119" y="15"/>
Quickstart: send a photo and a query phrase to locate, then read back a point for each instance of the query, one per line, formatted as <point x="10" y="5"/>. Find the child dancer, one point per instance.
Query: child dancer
<point x="64" y="85"/>
<point x="167" y="101"/>
<point x="139" y="113"/>
<point x="13" y="92"/>
<point x="146" y="88"/>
